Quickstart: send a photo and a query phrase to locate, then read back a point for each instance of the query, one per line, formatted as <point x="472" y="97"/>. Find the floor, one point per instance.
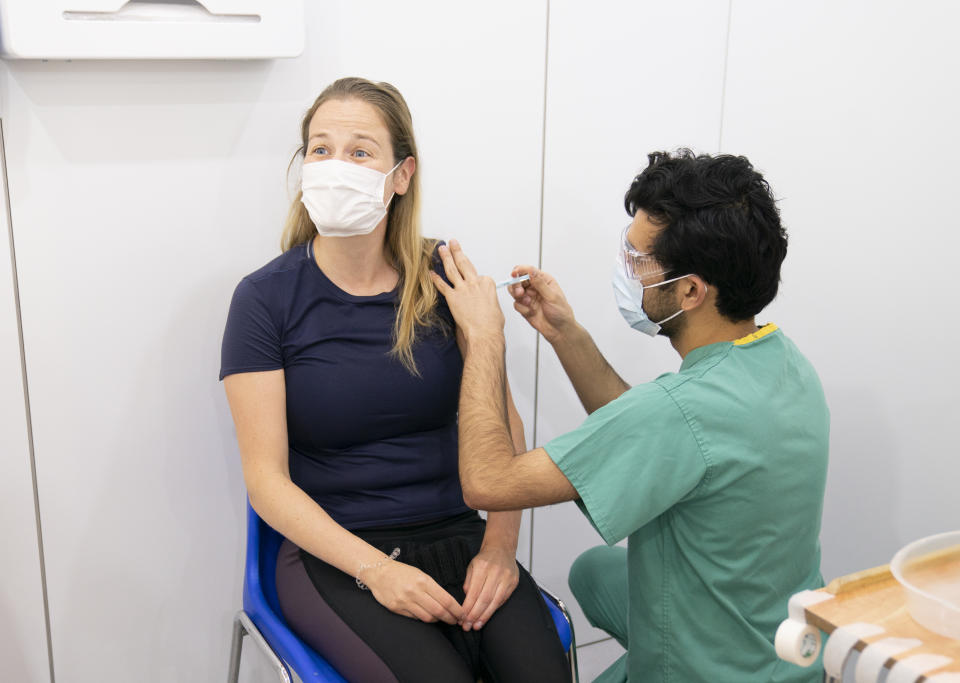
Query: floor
<point x="595" y="657"/>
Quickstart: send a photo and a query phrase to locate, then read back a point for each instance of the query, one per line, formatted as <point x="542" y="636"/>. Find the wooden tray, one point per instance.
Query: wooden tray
<point x="873" y="596"/>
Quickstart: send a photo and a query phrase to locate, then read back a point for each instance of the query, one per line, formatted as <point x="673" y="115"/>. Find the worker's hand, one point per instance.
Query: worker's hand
<point x="407" y="591"/>
<point x="541" y="301"/>
<point x="492" y="577"/>
<point x="472" y="298"/>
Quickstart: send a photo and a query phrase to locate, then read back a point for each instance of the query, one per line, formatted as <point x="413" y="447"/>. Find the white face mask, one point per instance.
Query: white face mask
<point x="343" y="198"/>
<point x="629" y="295"/>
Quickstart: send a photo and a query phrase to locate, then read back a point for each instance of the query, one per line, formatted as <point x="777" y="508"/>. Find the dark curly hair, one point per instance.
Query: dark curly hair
<point x="719" y="221"/>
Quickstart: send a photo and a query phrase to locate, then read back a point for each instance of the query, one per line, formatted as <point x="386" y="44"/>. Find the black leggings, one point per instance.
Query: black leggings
<point x="365" y="641"/>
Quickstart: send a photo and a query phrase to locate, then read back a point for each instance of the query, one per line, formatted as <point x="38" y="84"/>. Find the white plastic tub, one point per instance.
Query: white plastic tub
<point x="929" y="571"/>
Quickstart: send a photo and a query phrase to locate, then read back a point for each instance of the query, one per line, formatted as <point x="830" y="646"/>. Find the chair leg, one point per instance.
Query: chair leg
<point x="236" y="644"/>
<point x="572" y="655"/>
<point x="574" y="665"/>
<point x="248" y="627"/>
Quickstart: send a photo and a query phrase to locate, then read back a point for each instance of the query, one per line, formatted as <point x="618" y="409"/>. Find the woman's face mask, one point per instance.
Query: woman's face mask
<point x="344" y="199"/>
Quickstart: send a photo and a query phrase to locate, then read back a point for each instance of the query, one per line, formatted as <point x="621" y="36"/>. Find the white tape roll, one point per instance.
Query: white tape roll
<point x="875" y="655"/>
<point x="910" y="669"/>
<point x="802" y="600"/>
<point x="840" y="644"/>
<point x="944" y="678"/>
<point x="797" y="642"/>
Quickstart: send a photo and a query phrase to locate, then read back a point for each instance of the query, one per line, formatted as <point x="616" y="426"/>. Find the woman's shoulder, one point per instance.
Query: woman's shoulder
<point x="288" y="262"/>
<point x="273" y="283"/>
<point x="431" y="245"/>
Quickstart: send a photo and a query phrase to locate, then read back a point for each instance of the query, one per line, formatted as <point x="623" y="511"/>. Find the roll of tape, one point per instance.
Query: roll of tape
<point x="800" y="601"/>
<point x="797" y="642"/>
<point x="910" y="669"/>
<point x="875" y="655"/>
<point x="944" y="678"/>
<point x="840" y="644"/>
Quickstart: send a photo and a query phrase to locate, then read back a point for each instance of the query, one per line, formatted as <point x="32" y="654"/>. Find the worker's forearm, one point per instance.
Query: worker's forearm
<point x="594" y="380"/>
<point x="503" y="528"/>
<point x="486" y="447"/>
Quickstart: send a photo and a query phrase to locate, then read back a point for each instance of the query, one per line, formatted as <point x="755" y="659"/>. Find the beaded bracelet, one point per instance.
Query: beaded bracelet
<point x="376" y="565"/>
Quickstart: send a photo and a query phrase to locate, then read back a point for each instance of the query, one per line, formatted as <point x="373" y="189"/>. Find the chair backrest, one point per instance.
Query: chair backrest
<point x="261" y="569"/>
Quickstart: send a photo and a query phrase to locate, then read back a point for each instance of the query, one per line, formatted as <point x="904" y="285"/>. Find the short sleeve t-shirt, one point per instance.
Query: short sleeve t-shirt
<point x="715" y="475"/>
<point x="371" y="443"/>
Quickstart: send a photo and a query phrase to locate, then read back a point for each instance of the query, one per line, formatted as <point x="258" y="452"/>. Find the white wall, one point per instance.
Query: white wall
<point x="23" y="640"/>
<point x="851" y="110"/>
<point x="142" y="191"/>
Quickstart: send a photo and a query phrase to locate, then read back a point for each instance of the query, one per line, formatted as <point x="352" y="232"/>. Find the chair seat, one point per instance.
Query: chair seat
<point x="262" y="606"/>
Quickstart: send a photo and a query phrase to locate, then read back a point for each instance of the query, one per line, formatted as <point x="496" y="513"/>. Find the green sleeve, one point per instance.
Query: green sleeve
<point x="630" y="461"/>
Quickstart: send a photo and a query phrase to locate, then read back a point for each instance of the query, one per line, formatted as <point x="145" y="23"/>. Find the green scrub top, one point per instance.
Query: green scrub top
<point x="715" y="474"/>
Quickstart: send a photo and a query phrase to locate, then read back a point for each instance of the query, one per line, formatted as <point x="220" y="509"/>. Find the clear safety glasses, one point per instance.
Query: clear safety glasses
<point x="636" y="264"/>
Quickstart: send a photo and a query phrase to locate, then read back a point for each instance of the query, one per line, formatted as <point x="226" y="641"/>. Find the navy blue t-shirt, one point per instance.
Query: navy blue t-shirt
<point x="371" y="443"/>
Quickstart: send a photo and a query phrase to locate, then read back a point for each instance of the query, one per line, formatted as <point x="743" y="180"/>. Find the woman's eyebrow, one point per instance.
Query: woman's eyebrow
<point x="365" y="136"/>
<point x="357" y="135"/>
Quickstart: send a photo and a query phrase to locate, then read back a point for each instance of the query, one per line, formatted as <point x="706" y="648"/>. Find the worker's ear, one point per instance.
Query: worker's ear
<point x="693" y="292"/>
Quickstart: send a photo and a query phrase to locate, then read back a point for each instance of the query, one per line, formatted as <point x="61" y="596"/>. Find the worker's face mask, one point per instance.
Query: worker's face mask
<point x="629" y="294"/>
<point x="344" y="199"/>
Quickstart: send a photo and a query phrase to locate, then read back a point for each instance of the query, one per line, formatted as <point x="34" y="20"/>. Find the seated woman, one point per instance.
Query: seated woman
<point x="343" y="373"/>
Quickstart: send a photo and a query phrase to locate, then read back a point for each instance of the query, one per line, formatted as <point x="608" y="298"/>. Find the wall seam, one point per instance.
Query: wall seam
<point x="723" y="84"/>
<point x="26" y="402"/>
<point x="543" y="167"/>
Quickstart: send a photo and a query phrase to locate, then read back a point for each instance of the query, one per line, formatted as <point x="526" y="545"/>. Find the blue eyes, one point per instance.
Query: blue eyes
<point x="322" y="151"/>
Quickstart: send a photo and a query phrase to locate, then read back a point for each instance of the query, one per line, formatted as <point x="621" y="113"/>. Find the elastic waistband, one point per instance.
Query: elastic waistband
<point x="463" y="523"/>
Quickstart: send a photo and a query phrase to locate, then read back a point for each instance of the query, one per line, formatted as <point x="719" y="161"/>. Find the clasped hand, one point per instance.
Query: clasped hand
<point x="403" y="589"/>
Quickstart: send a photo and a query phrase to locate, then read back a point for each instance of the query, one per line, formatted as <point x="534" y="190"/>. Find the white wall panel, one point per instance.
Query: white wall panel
<point x="23" y="635"/>
<point x="143" y="192"/>
<point x="851" y="110"/>
<point x="624" y="79"/>
<point x="135" y="215"/>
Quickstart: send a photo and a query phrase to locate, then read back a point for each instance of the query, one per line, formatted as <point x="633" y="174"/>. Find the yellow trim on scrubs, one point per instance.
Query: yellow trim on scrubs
<point x="762" y="332"/>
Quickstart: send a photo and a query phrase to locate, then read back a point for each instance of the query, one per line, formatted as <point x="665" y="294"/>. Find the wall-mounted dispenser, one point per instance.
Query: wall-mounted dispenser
<point x="151" y="29"/>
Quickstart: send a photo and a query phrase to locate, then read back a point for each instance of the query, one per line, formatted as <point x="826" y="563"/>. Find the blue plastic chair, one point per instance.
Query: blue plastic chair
<point x="292" y="659"/>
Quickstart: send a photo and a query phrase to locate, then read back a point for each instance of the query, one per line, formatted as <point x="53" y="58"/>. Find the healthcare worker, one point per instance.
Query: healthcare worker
<point x="714" y="474"/>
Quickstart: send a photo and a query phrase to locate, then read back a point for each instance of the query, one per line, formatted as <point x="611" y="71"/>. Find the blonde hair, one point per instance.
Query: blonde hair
<point x="412" y="254"/>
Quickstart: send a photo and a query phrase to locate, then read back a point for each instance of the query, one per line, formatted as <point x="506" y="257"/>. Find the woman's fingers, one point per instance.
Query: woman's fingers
<point x="472" y="586"/>
<point x="482" y="605"/>
<point x="420" y="613"/>
<point x="500" y="596"/>
<point x="408" y="591"/>
<point x="441" y="604"/>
